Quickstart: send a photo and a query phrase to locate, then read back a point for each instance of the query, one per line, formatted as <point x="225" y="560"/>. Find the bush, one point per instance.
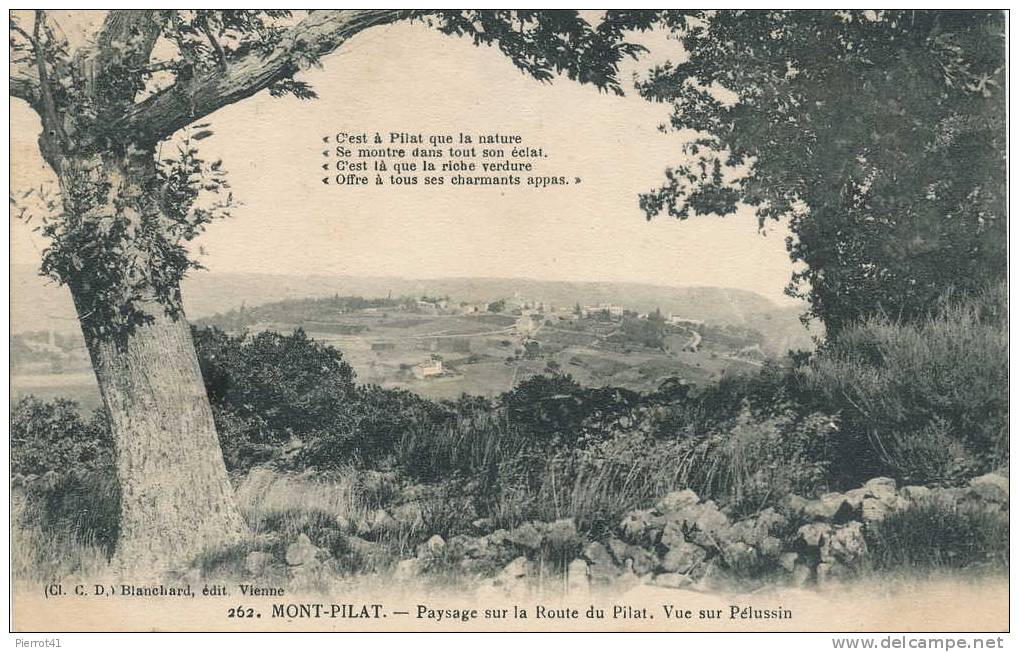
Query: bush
<point x="939" y="535"/>
<point x="926" y="402"/>
<point x="64" y="466"/>
<point x="269" y="391"/>
<point x="292" y="382"/>
<point x="52" y="436"/>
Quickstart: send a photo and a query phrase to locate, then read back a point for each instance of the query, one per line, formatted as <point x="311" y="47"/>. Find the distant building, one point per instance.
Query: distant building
<point x="428" y="369"/>
<point x="681" y="321"/>
<point x="608" y="308"/>
<point x="383" y="346"/>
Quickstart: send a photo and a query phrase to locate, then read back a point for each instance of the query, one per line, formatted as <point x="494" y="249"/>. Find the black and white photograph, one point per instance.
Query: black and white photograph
<point x="510" y="320"/>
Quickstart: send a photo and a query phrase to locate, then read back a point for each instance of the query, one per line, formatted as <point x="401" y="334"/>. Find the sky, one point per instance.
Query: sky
<point x="408" y="77"/>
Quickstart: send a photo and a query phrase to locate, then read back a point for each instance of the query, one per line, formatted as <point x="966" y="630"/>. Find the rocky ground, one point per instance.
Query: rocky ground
<point x="681" y="542"/>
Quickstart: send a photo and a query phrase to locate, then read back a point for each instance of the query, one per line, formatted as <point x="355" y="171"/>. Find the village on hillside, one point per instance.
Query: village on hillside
<point x="441" y="348"/>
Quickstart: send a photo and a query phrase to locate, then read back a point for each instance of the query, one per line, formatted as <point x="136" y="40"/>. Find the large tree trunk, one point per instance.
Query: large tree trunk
<point x="176" y="498"/>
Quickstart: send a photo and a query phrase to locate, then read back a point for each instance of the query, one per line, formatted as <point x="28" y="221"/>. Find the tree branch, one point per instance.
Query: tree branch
<point x="25" y="86"/>
<point x="128" y="36"/>
<point x="217" y="48"/>
<point x="186" y="101"/>
<point x="50" y="120"/>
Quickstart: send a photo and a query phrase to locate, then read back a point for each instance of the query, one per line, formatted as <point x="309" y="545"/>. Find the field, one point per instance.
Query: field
<point x="487" y="354"/>
<point x="482" y="353"/>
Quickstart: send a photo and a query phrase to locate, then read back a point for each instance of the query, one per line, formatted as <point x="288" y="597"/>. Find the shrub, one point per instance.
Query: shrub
<point x="925" y="401"/>
<point x="937" y="534"/>
<point x="65" y="468"/>
<point x="270" y="390"/>
<point x="52" y="436"/>
<point x="292" y="382"/>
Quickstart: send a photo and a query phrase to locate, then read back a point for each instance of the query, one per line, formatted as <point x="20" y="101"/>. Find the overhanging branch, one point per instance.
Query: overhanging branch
<point x="24" y="87"/>
<point x="186" y="101"/>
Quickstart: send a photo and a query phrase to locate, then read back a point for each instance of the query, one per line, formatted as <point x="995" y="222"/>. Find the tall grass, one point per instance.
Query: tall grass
<point x="939" y="534"/>
<point x="44" y="551"/>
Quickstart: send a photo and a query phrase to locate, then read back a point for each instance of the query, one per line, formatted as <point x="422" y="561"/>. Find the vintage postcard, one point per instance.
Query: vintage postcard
<point x="509" y="320"/>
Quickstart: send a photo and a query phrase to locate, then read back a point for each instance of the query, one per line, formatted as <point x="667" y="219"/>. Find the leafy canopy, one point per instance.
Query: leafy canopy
<point x="880" y="135"/>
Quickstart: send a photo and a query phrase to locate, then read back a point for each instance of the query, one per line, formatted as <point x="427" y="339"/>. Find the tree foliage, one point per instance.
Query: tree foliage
<point x="880" y="135"/>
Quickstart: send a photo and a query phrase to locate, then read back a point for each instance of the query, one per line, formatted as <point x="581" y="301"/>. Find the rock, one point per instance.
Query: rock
<point x="788" y="560"/>
<point x="704" y="517"/>
<point x="683" y="558"/>
<point x="855" y="498"/>
<point x="603" y="568"/>
<point x="880" y="487"/>
<point x="770" y="547"/>
<point x="801" y="574"/>
<point x="640" y="527"/>
<point x="361" y="526"/>
<point x="830" y="572"/>
<point x="813" y="533"/>
<point x="709" y="576"/>
<point x="576" y="576"/>
<point x="676" y="501"/>
<point x="846" y="544"/>
<point x="474" y="547"/>
<point x="915" y="494"/>
<point x="672" y="580"/>
<point x="738" y="554"/>
<point x="515" y="569"/>
<point x="301" y="552"/>
<point x="415" y="492"/>
<point x="705" y="540"/>
<point x="308" y="576"/>
<point x="641" y="561"/>
<point x="256" y="562"/>
<point x="618" y="548"/>
<point x="433" y="547"/>
<point x="498" y="537"/>
<point x="361" y="547"/>
<point x="710" y="519"/>
<point x="526" y="536"/>
<point x="769" y="521"/>
<point x="874" y="510"/>
<point x="831" y="507"/>
<point x="407" y="569"/>
<point x="561" y="533"/>
<point x="755" y="531"/>
<point x="673" y="535"/>
<point x="625" y="582"/>
<point x="596" y="553"/>
<point x="990" y="487"/>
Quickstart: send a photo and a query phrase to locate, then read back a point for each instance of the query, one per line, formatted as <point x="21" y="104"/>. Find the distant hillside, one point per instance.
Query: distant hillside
<point x="38" y="304"/>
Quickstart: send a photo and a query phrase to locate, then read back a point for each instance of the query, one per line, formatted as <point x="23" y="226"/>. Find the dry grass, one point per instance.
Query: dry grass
<point x="263" y="492"/>
<point x="39" y="556"/>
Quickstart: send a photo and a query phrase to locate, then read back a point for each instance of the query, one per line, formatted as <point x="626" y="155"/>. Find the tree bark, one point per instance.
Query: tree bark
<point x="176" y="498"/>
